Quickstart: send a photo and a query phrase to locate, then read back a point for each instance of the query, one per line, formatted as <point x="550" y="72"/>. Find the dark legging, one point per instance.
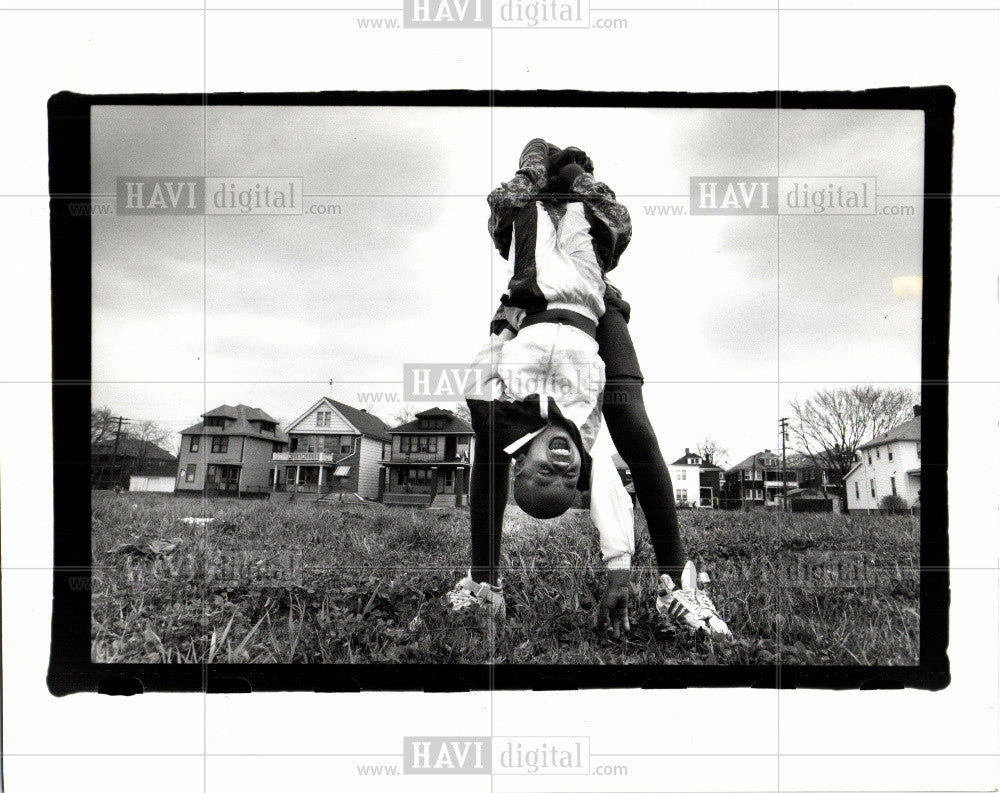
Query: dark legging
<point x="635" y="440"/>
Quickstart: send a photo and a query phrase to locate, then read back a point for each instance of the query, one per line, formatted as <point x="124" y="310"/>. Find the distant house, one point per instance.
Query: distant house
<point x="114" y="466"/>
<point x="888" y="465"/>
<point x="430" y="455"/>
<point x="333" y="450"/>
<point x="713" y="478"/>
<point x="229" y="452"/>
<point x="758" y="481"/>
<point x="685" y="476"/>
<point x="685" y="473"/>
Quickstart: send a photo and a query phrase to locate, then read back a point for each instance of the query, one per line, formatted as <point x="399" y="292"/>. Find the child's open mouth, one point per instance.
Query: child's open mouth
<point x="559" y="451"/>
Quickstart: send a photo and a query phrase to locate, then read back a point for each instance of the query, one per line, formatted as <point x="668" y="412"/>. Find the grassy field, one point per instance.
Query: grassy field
<point x="300" y="582"/>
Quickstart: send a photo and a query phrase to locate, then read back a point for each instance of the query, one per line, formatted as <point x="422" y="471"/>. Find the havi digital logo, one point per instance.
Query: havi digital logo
<point x="446" y="14"/>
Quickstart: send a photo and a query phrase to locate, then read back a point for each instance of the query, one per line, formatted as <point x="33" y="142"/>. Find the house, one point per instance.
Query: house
<point x="229" y="452"/>
<point x="430" y="455"/>
<point x="685" y="476"/>
<point x="685" y="473"/>
<point x="889" y="464"/>
<point x="333" y="450"/>
<point x="758" y="481"/>
<point x="713" y="478"/>
<point x="114" y="465"/>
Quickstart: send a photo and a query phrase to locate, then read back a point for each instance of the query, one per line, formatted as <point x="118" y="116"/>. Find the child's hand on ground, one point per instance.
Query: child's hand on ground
<point x="613" y="609"/>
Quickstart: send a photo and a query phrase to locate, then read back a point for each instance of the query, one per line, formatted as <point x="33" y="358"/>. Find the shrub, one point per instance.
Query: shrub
<point x="893" y="504"/>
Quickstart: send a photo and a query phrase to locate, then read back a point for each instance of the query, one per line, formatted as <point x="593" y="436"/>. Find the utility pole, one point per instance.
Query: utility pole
<point x="114" y="457"/>
<point x="784" y="476"/>
<point x="114" y="454"/>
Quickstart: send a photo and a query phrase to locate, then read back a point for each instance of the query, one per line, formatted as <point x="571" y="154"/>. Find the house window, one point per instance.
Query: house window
<point x="190" y="472"/>
<point x="878" y="454"/>
<point x="323" y="418"/>
<point x="869" y="458"/>
<point x="220" y="444"/>
<point x="892" y="481"/>
<point x="682" y="496"/>
<point x="682" y="475"/>
<point x="449" y="478"/>
<point x="342" y="470"/>
<point x="857" y="490"/>
<point x="195" y="439"/>
<point x="918" y="451"/>
<point x="890" y="454"/>
<point x="872" y="483"/>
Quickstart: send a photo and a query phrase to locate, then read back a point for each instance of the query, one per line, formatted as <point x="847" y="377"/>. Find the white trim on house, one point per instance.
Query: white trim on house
<point x="330" y="429"/>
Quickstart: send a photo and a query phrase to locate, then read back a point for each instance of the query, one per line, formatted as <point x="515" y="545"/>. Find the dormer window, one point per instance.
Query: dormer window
<point x="215" y="421"/>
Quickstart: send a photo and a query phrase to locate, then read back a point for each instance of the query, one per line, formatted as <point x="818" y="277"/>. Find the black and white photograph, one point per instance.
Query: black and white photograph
<point x="552" y="401"/>
<point x="500" y="396"/>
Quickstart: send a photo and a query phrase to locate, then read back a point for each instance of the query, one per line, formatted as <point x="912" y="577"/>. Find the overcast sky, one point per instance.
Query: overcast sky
<point x="731" y="316"/>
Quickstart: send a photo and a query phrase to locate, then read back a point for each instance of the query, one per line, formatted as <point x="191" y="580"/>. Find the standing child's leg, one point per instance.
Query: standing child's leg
<point x="634" y="437"/>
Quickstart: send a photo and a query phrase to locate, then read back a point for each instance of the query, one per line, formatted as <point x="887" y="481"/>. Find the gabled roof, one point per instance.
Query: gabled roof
<point x="907" y="431"/>
<point x="793" y="461"/>
<point x="453" y="424"/>
<point x="682" y="460"/>
<point x="241" y="415"/>
<point x="756" y="461"/>
<point x="363" y="422"/>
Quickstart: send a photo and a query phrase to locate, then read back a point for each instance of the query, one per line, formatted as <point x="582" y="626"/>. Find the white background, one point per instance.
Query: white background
<point x="716" y="740"/>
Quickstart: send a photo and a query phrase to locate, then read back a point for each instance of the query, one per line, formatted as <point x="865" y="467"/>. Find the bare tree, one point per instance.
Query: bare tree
<point x="403" y="414"/>
<point x="103" y="425"/>
<point x="713" y="452"/>
<point x="462" y="411"/>
<point x="149" y="432"/>
<point x="830" y="425"/>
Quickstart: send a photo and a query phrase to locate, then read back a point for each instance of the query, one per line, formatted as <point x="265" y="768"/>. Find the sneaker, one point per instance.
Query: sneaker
<point x="689" y="604"/>
<point x="468" y="594"/>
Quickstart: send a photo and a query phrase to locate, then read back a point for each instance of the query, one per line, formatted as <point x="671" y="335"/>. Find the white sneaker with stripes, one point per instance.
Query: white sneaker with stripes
<point x="689" y="604"/>
<point x="469" y="594"/>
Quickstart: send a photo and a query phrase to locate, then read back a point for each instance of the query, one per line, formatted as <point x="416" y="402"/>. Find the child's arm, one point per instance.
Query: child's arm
<point x="611" y="511"/>
<point x="611" y="508"/>
<point x="510" y="197"/>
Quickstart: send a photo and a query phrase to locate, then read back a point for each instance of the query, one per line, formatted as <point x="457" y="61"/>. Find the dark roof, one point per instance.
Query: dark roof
<point x="793" y="461"/>
<point x="682" y="460"/>
<point x="133" y="447"/>
<point x="242" y="416"/>
<point x="907" y="431"/>
<point x="364" y="422"/>
<point x="454" y="425"/>
<point x="434" y="412"/>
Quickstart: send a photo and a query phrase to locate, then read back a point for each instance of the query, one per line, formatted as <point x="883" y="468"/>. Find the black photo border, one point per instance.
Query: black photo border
<point x="70" y="667"/>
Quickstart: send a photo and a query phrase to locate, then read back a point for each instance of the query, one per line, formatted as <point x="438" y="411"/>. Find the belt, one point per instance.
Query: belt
<point x="562" y="316"/>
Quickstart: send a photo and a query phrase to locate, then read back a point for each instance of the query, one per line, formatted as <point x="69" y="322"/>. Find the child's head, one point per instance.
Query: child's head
<point x="547" y="472"/>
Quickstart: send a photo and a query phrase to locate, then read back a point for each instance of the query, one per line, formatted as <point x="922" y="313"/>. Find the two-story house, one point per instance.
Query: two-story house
<point x="759" y="481"/>
<point x="333" y="450"/>
<point x="889" y="464"/>
<point x="685" y="474"/>
<point x="431" y="455"/>
<point x="229" y="452"/>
